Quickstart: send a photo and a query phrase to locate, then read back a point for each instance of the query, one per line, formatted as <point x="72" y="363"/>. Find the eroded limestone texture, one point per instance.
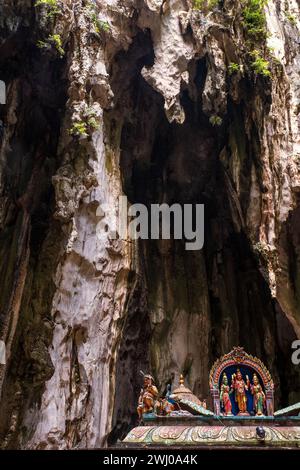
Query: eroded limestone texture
<point x="140" y="97"/>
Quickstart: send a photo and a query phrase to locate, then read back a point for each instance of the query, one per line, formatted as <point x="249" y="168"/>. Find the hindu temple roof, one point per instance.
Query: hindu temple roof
<point x="184" y="393"/>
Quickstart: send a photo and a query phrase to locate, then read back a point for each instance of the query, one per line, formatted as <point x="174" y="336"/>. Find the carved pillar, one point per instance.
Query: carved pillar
<point x="216" y="400"/>
<point x="270" y="402"/>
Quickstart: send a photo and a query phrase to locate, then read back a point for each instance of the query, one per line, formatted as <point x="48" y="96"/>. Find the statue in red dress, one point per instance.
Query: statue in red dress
<point x="224" y="396"/>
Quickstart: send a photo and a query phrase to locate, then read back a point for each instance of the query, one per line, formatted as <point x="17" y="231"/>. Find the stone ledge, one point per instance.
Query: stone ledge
<point x="241" y="436"/>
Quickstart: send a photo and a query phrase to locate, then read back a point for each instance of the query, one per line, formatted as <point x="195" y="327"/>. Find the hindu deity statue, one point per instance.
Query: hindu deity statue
<point x="239" y="386"/>
<point x="259" y="398"/>
<point x="148" y="396"/>
<point x="224" y="396"/>
<point x="165" y="406"/>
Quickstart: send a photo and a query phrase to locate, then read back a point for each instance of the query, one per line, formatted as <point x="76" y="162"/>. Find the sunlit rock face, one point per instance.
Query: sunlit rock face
<point x="161" y="102"/>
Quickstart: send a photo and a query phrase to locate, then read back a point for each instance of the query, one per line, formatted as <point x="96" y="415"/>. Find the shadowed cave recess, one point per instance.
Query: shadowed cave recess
<point x="190" y="307"/>
<point x="184" y="308"/>
<point x="30" y="128"/>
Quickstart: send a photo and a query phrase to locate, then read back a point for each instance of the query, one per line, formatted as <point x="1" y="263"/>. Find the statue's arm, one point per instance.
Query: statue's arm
<point x="153" y="390"/>
<point x="247" y="385"/>
<point x="141" y="396"/>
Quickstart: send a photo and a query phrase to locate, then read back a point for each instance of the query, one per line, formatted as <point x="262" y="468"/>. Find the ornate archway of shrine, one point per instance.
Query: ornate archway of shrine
<point x="239" y="358"/>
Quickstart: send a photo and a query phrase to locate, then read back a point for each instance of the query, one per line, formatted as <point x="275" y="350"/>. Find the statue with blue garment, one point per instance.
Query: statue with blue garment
<point x="166" y="405"/>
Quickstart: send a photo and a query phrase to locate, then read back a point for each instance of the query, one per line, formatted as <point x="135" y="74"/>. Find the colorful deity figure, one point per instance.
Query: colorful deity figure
<point x="148" y="396"/>
<point x="224" y="396"/>
<point x="239" y="386"/>
<point x="165" y="406"/>
<point x="259" y="398"/>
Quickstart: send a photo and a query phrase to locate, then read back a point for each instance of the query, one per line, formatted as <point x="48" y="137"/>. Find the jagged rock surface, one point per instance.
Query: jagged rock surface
<point x="141" y="101"/>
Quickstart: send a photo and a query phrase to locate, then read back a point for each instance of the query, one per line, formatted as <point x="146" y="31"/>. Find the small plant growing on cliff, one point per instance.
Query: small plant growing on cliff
<point x="79" y="129"/>
<point x="104" y="26"/>
<point x="205" y="5"/>
<point x="52" y="6"/>
<point x="86" y="125"/>
<point x="93" y="123"/>
<point x="290" y="17"/>
<point x="233" y="68"/>
<point x="254" y="19"/>
<point x="99" y="25"/>
<point x="198" y="4"/>
<point x="52" y="40"/>
<point x="215" y="120"/>
<point x="56" y="40"/>
<point x="272" y="56"/>
<point x="260" y="65"/>
<point x="42" y="44"/>
<point x="91" y="119"/>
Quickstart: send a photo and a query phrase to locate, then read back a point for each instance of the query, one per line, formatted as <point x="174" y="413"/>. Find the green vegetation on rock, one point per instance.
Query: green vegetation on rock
<point x="99" y="25"/>
<point x="52" y="6"/>
<point x="260" y="65"/>
<point x="233" y="68"/>
<point x="56" y="40"/>
<point x="79" y="129"/>
<point x="205" y="5"/>
<point x="42" y="44"/>
<point x="255" y="25"/>
<point x="290" y="17"/>
<point x="52" y="40"/>
<point x="215" y="120"/>
<point x="254" y="19"/>
<point x="85" y="126"/>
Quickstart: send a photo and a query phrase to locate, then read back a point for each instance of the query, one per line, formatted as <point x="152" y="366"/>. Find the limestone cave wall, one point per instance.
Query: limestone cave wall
<point x="169" y="101"/>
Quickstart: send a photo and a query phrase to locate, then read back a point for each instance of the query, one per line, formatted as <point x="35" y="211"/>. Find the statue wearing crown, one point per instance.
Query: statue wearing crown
<point x="259" y="398"/>
<point x="239" y="386"/>
<point x="224" y="396"/>
<point x="148" y="396"/>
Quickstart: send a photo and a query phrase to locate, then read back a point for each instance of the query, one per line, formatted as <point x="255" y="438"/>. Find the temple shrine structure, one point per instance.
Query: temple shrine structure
<point x="243" y="415"/>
